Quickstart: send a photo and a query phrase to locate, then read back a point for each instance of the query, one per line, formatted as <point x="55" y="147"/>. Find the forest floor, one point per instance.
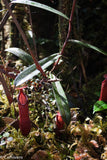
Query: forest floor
<point x="83" y="138"/>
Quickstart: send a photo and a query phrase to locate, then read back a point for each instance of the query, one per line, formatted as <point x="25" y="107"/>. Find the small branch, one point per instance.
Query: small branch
<point x="34" y="43"/>
<point x="6" y="16"/>
<point x="68" y="34"/>
<point x="8" y="69"/>
<point x="83" y="67"/>
<point x="10" y="75"/>
<point x="6" y="89"/>
<point x="24" y="38"/>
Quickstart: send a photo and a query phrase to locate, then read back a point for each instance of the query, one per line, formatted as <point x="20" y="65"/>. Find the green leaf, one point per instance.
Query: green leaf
<point x="2" y="143"/>
<point x="42" y="6"/>
<point x="31" y="71"/>
<point x="6" y="134"/>
<point x="3" y="10"/>
<point x="88" y="46"/>
<point x="61" y="100"/>
<point x="99" y="106"/>
<point x="21" y="54"/>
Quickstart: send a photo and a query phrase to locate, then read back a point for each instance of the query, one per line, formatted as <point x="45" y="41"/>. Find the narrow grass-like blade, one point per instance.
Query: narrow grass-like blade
<point x="31" y="71"/>
<point x="88" y="46"/>
<point x="42" y="6"/>
<point x="61" y="100"/>
<point x="21" y="54"/>
<point x="3" y="10"/>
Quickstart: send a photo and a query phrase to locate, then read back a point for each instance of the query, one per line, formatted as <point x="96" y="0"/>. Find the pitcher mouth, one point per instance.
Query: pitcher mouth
<point x="25" y="99"/>
<point x="23" y="104"/>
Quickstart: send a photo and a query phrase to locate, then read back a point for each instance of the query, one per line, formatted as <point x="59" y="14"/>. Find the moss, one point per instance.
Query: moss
<point x="2" y="123"/>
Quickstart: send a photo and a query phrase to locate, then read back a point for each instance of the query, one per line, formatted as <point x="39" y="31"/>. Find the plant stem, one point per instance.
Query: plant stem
<point x="68" y="34"/>
<point x="6" y="88"/>
<point x="5" y="18"/>
<point x="34" y="43"/>
<point x="24" y="38"/>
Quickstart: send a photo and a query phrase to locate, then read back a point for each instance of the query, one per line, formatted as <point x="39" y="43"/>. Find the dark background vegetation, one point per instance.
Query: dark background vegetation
<point x="81" y="67"/>
<point x="81" y="72"/>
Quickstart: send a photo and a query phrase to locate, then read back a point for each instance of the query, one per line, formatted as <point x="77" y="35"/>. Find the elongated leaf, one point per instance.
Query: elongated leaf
<point x="99" y="106"/>
<point x="3" y="10"/>
<point x="61" y="100"/>
<point x="42" y="6"/>
<point x="21" y="54"/>
<point x="88" y="46"/>
<point x="31" y="71"/>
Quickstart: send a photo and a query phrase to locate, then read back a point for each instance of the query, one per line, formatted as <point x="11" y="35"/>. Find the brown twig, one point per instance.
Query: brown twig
<point x="6" y="83"/>
<point x="83" y="67"/>
<point x="34" y="43"/>
<point x="10" y="75"/>
<point x="6" y="89"/>
<point x="9" y="69"/>
<point x="6" y="16"/>
<point x="68" y="34"/>
<point x="24" y="38"/>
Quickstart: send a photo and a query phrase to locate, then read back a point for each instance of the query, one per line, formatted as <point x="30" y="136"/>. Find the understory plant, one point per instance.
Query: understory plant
<point x="39" y="67"/>
<point x="46" y="97"/>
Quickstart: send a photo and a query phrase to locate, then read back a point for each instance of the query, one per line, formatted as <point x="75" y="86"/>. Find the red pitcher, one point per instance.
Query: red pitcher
<point x="24" y="121"/>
